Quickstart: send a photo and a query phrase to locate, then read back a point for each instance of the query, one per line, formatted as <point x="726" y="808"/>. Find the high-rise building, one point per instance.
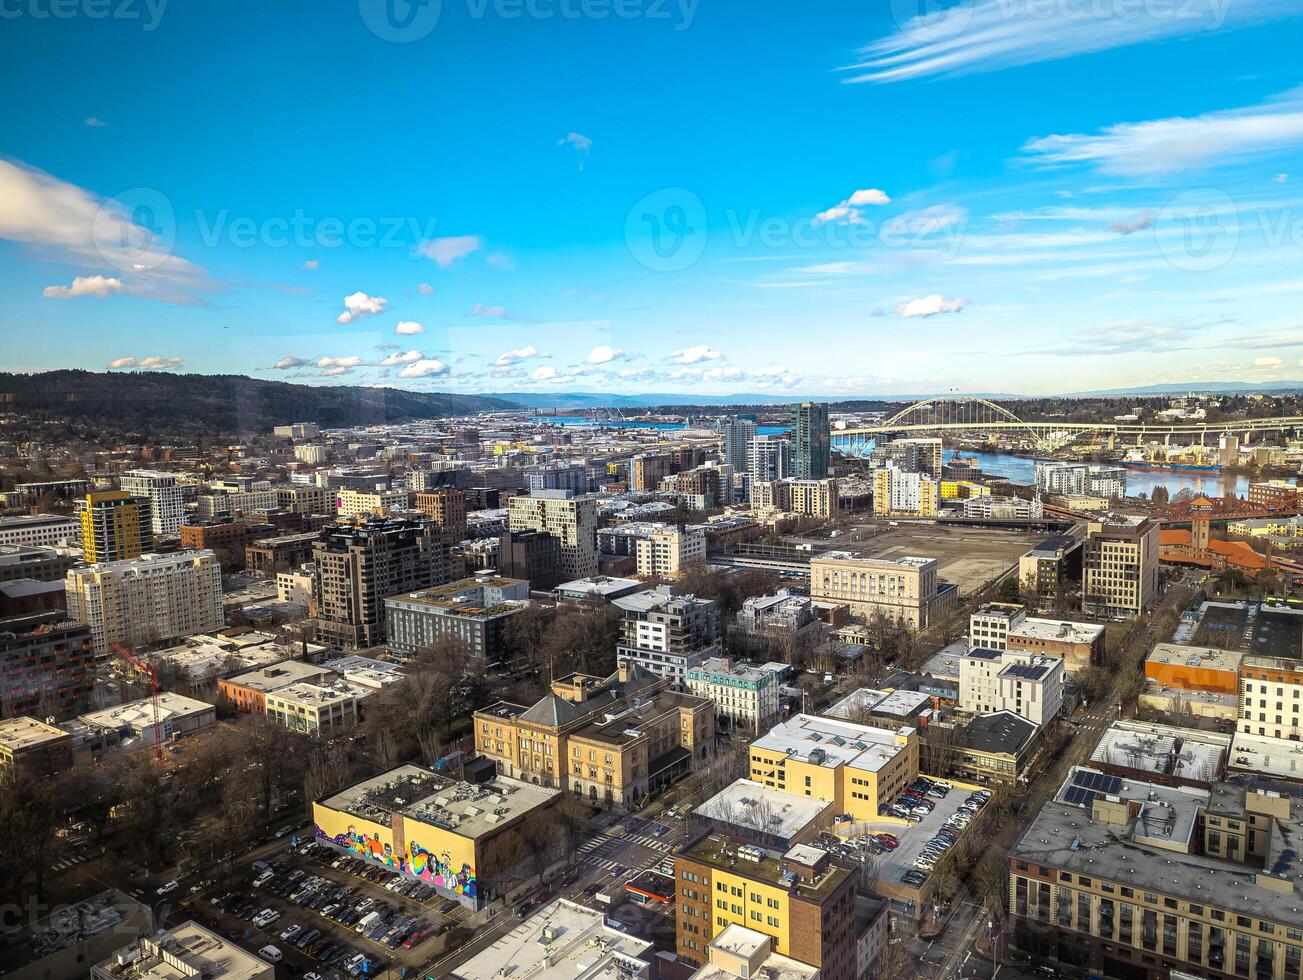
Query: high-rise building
<point x="534" y="556"/>
<point x="646" y="470"/>
<point x="907" y="493"/>
<point x="359" y="566"/>
<point x="557" y="476"/>
<point x="475" y="611"/>
<point x="738" y="433"/>
<point x="920" y="454"/>
<point x="446" y="506"/>
<point x="167" y="503"/>
<point x="360" y="503"/>
<point x="769" y="458"/>
<point x="811" y="441"/>
<point x="668" y="552"/>
<point x="1120" y="565"/>
<point x="115" y="526"/>
<point x="45" y="666"/>
<point x="571" y="520"/>
<point x="815" y="498"/>
<point x="147" y="599"/>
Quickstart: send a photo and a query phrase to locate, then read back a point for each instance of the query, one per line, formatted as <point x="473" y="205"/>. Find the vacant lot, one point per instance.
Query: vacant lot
<point x="970" y="557"/>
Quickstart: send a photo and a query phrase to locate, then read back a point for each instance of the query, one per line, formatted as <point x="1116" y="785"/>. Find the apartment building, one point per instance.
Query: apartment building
<point x="920" y="455"/>
<point x="1120" y="566"/>
<point x="780" y="620"/>
<point x="557" y="476"/>
<point x="737" y="435"/>
<point x="904" y="493"/>
<point x="799" y="899"/>
<point x="1271" y="697"/>
<point x="227" y="538"/>
<point x="1029" y="685"/>
<point x="903" y="590"/>
<point x="666" y="633"/>
<point x="814" y="498"/>
<point x="1279" y="495"/>
<point x="305" y="499"/>
<point x="745" y="696"/>
<point x="33" y="748"/>
<point x="769" y="457"/>
<point x="534" y="556"/>
<point x="811" y="441"/>
<point x="1066" y="479"/>
<point x="571" y="520"/>
<point x="317" y="707"/>
<point x="298" y="430"/>
<point x="857" y="768"/>
<point x="475" y="611"/>
<point x="446" y="506"/>
<point x="1124" y="878"/>
<point x="362" y="503"/>
<point x="115" y="526"/>
<point x="269" y="556"/>
<point x="990" y="625"/>
<point x="609" y="739"/>
<point x="40" y="530"/>
<point x="148" y="599"/>
<point x="247" y="692"/>
<point x="166" y="499"/>
<point x="46" y="664"/>
<point x="669" y="552"/>
<point x="358" y="566"/>
<point x="646" y="470"/>
<point x="978" y="688"/>
<point x="1051" y="567"/>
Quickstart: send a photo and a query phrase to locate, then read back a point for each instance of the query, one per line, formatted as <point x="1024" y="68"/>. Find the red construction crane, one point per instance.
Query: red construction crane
<point x="146" y="669"/>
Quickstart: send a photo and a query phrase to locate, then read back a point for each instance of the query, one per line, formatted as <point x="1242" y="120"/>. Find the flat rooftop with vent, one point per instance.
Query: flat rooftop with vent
<point x="830" y="742"/>
<point x="1225" y="853"/>
<point x="184" y="952"/>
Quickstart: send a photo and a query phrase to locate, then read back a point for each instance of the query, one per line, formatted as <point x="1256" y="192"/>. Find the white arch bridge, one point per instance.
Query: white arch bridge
<point x="976" y="418"/>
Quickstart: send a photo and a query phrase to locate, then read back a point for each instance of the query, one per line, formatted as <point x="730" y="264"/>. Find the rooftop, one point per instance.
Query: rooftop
<point x="139" y="714"/>
<point x="831" y="742"/>
<point x="184" y="952"/>
<point x="901" y="561"/>
<point x="561" y="941"/>
<point x="1205" y="658"/>
<point x="17" y="734"/>
<point x="898" y="703"/>
<point x="755" y="806"/>
<point x="1061" y="630"/>
<point x="740" y="941"/>
<point x="598" y="586"/>
<point x="1183" y="753"/>
<point x="279" y="675"/>
<point x="1067" y="836"/>
<point x="1277" y="757"/>
<point x="314" y="694"/>
<point x="469" y="809"/>
<point x="761" y="864"/>
<point x="999" y="731"/>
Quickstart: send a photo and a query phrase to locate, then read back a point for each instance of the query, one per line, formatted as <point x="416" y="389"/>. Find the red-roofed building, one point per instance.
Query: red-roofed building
<point x="1197" y="546"/>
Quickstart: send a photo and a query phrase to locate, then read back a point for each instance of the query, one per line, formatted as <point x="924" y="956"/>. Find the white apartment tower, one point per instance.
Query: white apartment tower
<point x="167" y="505"/>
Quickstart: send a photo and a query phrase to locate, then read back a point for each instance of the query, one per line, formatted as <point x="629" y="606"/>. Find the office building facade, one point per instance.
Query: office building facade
<point x="811" y="441"/>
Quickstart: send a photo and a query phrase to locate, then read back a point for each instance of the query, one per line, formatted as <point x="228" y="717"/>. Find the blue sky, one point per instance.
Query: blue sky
<point x="1029" y="196"/>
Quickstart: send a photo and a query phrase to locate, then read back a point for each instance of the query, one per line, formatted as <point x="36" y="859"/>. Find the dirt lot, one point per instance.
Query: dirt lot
<point x="970" y="557"/>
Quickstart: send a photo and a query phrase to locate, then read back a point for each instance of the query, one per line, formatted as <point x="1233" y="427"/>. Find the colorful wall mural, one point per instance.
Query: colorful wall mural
<point x="450" y="867"/>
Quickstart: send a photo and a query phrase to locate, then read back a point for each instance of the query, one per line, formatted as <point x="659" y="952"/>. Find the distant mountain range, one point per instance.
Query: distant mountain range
<point x="1211" y="387"/>
<point x="146" y="401"/>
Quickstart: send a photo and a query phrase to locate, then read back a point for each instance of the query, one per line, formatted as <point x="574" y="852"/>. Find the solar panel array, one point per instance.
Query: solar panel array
<point x="1078" y="796"/>
<point x="1096" y="781"/>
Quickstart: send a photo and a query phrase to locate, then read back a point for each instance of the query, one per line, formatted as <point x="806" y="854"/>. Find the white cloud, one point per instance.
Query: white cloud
<point x="351" y="361"/>
<point x="1281" y="178"/>
<point x="695" y="354"/>
<point x="925" y="221"/>
<point x="69" y="224"/>
<point x="426" y="367"/>
<point x="493" y="312"/>
<point x="289" y="361"/>
<point x="312" y="264"/>
<point x="603" y="354"/>
<point x="1166" y="145"/>
<point x="406" y="357"/>
<point x="931" y="305"/>
<point x="848" y="212"/>
<point x="721" y="374"/>
<point x="408" y="327"/>
<point x="580" y="142"/>
<point x="359" y="304"/>
<point x="500" y="260"/>
<point x="985" y="35"/>
<point x="1145" y="219"/>
<point x="508" y="358"/>
<point x="100" y="286"/>
<point x="94" y="122"/>
<point x="1268" y="362"/>
<point x="544" y="374"/>
<point x="153" y="362"/>
<point x="446" y="251"/>
<point x="335" y="372"/>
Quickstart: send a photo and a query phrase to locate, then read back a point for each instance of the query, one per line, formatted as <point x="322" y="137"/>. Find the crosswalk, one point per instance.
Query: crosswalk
<point x="69" y="862"/>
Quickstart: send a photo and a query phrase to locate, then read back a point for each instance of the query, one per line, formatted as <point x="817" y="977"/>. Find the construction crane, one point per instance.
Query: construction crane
<point x="146" y="669"/>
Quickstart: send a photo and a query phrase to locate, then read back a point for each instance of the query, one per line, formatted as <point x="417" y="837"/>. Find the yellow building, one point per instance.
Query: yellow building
<point x="854" y="767"/>
<point x="962" y="490"/>
<point x="904" y="493"/>
<point x="430" y="827"/>
<point x="115" y="526"/>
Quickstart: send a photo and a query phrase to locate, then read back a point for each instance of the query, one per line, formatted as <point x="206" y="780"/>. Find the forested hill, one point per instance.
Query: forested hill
<point x="218" y="403"/>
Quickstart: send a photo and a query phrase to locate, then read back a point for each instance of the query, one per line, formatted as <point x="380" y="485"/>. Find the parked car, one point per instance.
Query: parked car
<point x="167" y="888"/>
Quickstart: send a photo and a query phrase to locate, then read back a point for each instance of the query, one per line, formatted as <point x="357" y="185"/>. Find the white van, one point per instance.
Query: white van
<point x="271" y="954"/>
<point x="366" y="922"/>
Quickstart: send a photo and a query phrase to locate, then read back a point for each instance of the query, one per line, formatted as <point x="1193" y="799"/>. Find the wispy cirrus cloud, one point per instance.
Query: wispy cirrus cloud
<point x="493" y="312"/>
<point x="445" y="251"/>
<point x="988" y="35"/>
<point x="1161" y="146"/>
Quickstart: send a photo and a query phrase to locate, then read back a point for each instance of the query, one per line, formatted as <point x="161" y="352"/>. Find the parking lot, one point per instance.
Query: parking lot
<point x="893" y="864"/>
<point x="326" y="920"/>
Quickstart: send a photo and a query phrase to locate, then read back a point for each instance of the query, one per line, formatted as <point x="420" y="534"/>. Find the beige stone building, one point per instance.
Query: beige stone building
<point x="610" y="739"/>
<point x="903" y="590"/>
<point x="1120" y="565"/>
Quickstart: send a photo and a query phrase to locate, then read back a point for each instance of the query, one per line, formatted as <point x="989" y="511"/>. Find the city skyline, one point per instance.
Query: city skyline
<point x="994" y="198"/>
